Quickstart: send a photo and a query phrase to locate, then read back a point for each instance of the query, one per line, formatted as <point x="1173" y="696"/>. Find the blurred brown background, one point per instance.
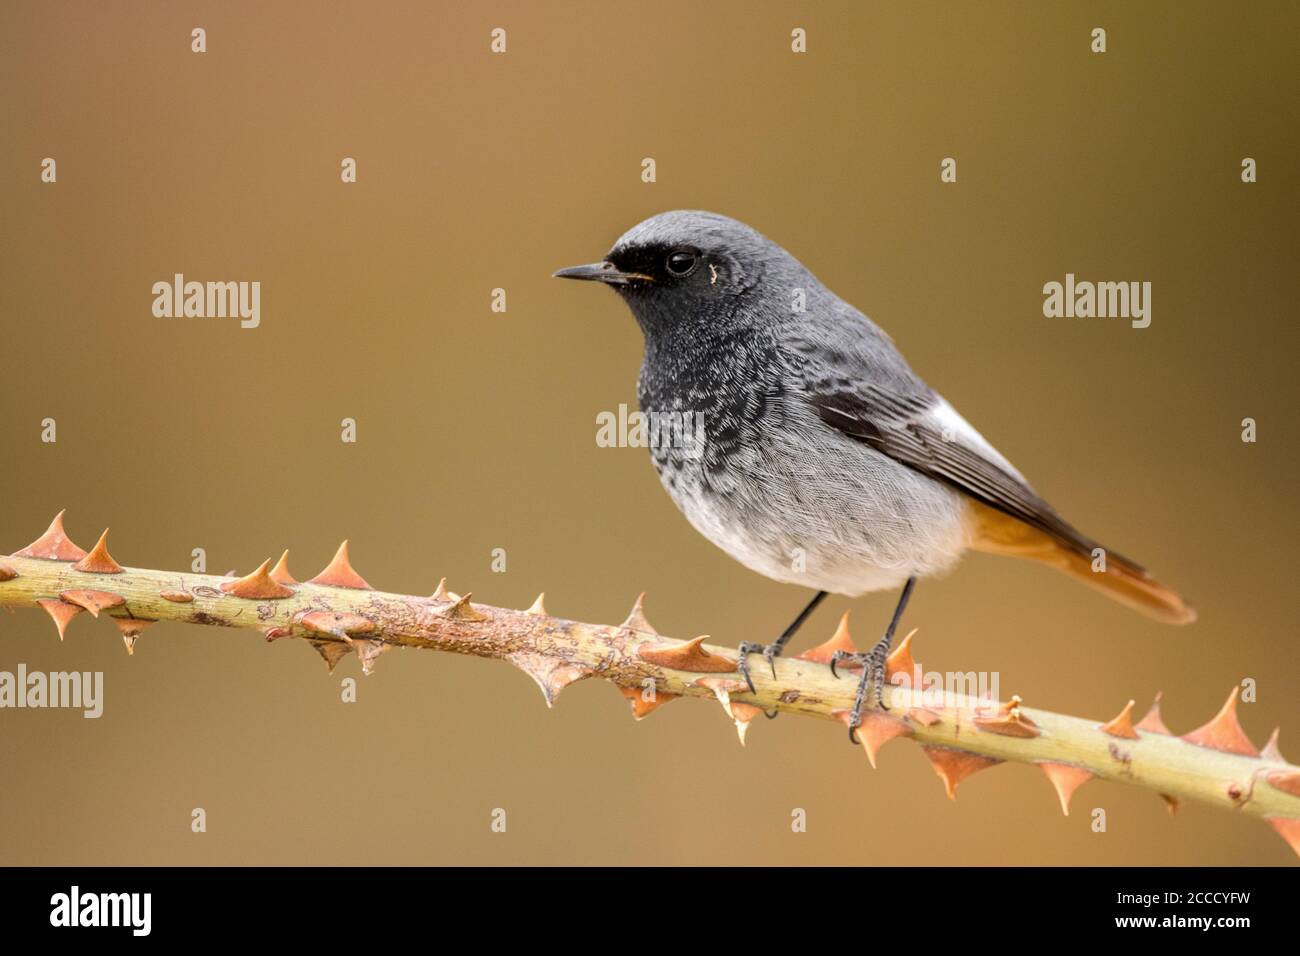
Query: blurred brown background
<point x="477" y="429"/>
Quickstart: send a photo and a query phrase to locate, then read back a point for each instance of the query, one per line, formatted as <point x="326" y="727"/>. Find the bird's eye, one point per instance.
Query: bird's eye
<point x="681" y="263"/>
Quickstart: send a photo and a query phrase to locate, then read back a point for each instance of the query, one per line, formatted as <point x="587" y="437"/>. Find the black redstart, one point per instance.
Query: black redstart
<point x="824" y="461"/>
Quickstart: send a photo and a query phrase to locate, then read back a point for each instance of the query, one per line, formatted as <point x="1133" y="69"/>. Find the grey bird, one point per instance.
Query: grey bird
<point x="824" y="460"/>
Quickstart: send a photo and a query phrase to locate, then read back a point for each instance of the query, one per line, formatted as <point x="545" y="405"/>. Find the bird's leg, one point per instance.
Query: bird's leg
<point x="873" y="665"/>
<point x="773" y="650"/>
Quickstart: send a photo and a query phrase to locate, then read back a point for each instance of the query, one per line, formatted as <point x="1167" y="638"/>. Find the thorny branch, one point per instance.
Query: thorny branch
<point x="338" y="613"/>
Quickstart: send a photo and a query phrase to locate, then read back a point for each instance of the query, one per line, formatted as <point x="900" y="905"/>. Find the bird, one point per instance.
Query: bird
<point x="797" y="438"/>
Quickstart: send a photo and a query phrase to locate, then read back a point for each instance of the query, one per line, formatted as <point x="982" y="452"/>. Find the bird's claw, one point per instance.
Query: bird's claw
<point x="873" y="679"/>
<point x="770" y="653"/>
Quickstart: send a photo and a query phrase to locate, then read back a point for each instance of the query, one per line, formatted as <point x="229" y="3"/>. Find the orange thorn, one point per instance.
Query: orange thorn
<point x="92" y="601"/>
<point x="53" y="545"/>
<point x="640" y="706"/>
<point x="275" y="633"/>
<point x="722" y="690"/>
<point x="538" y="607"/>
<point x="1121" y="725"/>
<point x="1172" y="803"/>
<point x="332" y="652"/>
<point x="1007" y="720"/>
<point x="130" y="627"/>
<point x="177" y="597"/>
<point x="636" y="619"/>
<point x="338" y="573"/>
<point x="1153" y="723"/>
<point x="280" y="573"/>
<point x="61" y="611"/>
<point x="686" y="656"/>
<point x="552" y="675"/>
<point x="900" y="659"/>
<point x="1288" y="781"/>
<point x="841" y="640"/>
<point x="743" y="713"/>
<point x="368" y="652"/>
<point x="341" y="625"/>
<point x="441" y="593"/>
<point x="99" y="561"/>
<point x="1289" y="829"/>
<point x="1271" y="751"/>
<point x="875" y="730"/>
<point x="1224" y="731"/>
<point x="954" y="766"/>
<point x="462" y="610"/>
<point x="1066" y="778"/>
<point x="926" y="718"/>
<point x="257" y="585"/>
<point x="7" y="573"/>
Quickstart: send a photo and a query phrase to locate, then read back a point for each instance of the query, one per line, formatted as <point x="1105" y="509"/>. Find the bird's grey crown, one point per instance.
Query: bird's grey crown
<point x="693" y="227"/>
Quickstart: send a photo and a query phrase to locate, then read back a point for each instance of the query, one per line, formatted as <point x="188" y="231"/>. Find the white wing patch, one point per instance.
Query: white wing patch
<point x="955" y="428"/>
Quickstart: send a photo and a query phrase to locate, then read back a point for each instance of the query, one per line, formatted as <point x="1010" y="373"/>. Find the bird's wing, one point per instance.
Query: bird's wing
<point x="859" y="385"/>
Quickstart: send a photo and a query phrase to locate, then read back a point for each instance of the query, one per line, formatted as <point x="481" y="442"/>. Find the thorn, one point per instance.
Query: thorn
<point x="275" y="633"/>
<point x="1007" y="720"/>
<point x="841" y="640"/>
<point x="1066" y="778"/>
<point x="636" y="619"/>
<point x="1153" y="723"/>
<point x="332" y="652"/>
<point x="1224" y="731"/>
<point x="7" y="573"/>
<point x="1288" y="781"/>
<point x="552" y="675"/>
<point x="743" y="713"/>
<point x="1271" y="751"/>
<point x="257" y="586"/>
<point x="954" y="766"/>
<point x="130" y="627"/>
<point x="368" y="652"/>
<point x="926" y="718"/>
<point x="537" y="608"/>
<point x="341" y="625"/>
<point x="1172" y="803"/>
<point x="99" y="561"/>
<point x="686" y="656"/>
<point x="641" y="707"/>
<point x="875" y="730"/>
<point x="338" y="573"/>
<point x="441" y="593"/>
<point x="738" y="711"/>
<point x="462" y="610"/>
<point x="92" y="601"/>
<point x="280" y="573"/>
<point x="1289" y="829"/>
<point x="61" y="611"/>
<point x="1121" y="725"/>
<point x="53" y="545"/>
<point x="900" y="659"/>
<point x="177" y="597"/>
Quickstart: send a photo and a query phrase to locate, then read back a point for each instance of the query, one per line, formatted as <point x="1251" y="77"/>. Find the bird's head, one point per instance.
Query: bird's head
<point x="686" y="267"/>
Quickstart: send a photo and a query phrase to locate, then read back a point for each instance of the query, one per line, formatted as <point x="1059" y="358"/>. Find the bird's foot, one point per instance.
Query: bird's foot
<point x="770" y="653"/>
<point x="873" y="679"/>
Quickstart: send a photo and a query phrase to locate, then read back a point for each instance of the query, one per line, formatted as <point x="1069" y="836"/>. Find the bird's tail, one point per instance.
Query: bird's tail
<point x="994" y="532"/>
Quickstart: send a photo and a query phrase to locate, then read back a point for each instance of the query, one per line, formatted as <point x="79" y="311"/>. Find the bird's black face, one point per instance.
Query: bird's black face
<point x="664" y="284"/>
<point x="656" y="268"/>
<point x="685" y="273"/>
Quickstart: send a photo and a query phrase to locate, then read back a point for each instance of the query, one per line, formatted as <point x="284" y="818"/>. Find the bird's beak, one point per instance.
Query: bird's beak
<point x="605" y="272"/>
